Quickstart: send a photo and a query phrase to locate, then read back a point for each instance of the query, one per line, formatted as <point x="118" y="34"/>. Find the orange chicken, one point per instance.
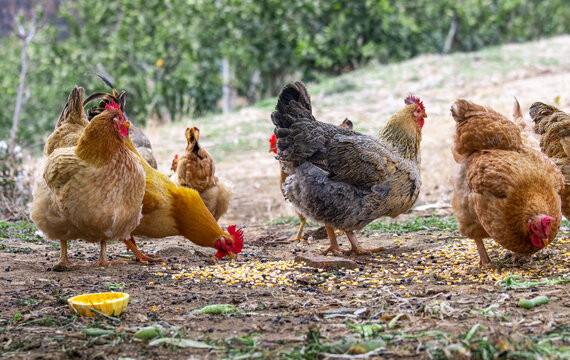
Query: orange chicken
<point x="94" y="190"/>
<point x="505" y="189"/>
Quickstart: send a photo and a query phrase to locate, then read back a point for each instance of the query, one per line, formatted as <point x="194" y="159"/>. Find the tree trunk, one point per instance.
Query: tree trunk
<point x="26" y="39"/>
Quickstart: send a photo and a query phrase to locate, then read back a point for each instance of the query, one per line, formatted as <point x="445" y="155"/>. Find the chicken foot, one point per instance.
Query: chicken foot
<point x="299" y="236"/>
<point x="103" y="261"/>
<point x="63" y="259"/>
<point x="356" y="249"/>
<point x="333" y="248"/>
<point x="143" y="258"/>
<point x="483" y="257"/>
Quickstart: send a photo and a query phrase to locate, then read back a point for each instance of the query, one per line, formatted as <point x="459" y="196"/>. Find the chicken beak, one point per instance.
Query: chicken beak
<point x="127" y="124"/>
<point x="425" y="115"/>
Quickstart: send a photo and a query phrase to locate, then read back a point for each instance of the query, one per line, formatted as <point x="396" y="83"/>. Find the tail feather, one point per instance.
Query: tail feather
<point x="73" y="110"/>
<point x="292" y="103"/>
<point x="115" y="96"/>
<point x="482" y="128"/>
<point x="554" y="127"/>
<point x="518" y="116"/>
<point x="541" y="113"/>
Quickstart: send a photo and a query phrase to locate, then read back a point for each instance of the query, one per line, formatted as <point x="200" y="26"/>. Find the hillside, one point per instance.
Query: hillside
<point x="239" y="141"/>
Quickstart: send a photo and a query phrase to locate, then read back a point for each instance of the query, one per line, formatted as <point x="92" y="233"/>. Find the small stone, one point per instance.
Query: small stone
<point x="327" y="263"/>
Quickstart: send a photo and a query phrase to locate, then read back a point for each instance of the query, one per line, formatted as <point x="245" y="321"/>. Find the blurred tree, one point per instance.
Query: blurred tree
<point x="168" y="54"/>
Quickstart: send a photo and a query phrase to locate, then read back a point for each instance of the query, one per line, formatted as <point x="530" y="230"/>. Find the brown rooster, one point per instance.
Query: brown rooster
<point x="170" y="210"/>
<point x="504" y="189"/>
<point x="92" y="191"/>
<point x="342" y="178"/>
<point x="273" y="148"/>
<point x="195" y="169"/>
<point x="553" y="125"/>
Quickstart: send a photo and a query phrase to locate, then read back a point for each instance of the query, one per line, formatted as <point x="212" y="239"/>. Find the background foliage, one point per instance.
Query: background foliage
<point x="167" y="53"/>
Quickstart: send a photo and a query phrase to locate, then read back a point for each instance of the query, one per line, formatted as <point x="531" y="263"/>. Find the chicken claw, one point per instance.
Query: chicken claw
<point x="64" y="262"/>
<point x="103" y="261"/>
<point x="143" y="258"/>
<point x="356" y="249"/>
<point x="299" y="236"/>
<point x="333" y="248"/>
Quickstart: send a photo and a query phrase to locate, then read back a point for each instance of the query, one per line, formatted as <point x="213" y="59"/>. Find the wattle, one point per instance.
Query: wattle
<point x="536" y="241"/>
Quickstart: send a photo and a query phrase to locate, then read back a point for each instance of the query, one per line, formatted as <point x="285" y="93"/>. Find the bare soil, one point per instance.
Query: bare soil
<point x="425" y="296"/>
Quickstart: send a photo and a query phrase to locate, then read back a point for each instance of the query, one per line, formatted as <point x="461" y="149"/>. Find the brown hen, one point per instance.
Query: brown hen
<point x="504" y="189"/>
<point x="195" y="169"/>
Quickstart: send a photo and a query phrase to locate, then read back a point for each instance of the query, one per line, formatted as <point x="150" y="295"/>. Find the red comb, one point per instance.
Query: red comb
<point x="411" y="99"/>
<point x="111" y="105"/>
<point x="238" y="238"/>
<point x="175" y="156"/>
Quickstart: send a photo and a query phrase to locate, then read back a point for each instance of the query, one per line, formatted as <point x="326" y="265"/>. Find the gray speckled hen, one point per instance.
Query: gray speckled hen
<point x="340" y="177"/>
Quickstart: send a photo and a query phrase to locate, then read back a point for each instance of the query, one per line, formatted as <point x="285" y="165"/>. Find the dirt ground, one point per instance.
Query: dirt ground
<point x="423" y="297"/>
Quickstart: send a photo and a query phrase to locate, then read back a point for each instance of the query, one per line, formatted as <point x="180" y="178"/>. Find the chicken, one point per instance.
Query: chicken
<point x="94" y="190"/>
<point x="554" y="127"/>
<point x="504" y="189"/>
<point x="273" y="148"/>
<point x="174" y="164"/>
<point x="195" y="169"/>
<point x="143" y="146"/>
<point x="139" y="139"/>
<point x="342" y="178"/>
<point x="171" y="210"/>
<point x="71" y="123"/>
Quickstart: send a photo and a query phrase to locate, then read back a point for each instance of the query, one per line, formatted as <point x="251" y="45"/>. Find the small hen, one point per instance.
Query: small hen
<point x="342" y="178"/>
<point x="273" y="148"/>
<point x="94" y="190"/>
<point x="553" y="125"/>
<point x="505" y="189"/>
<point x="195" y="169"/>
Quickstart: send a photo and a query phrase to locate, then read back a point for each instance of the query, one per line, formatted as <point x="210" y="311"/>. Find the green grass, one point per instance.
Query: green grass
<point x="15" y="250"/>
<point x="290" y="220"/>
<point x="21" y="230"/>
<point x="29" y="301"/>
<point x="430" y="223"/>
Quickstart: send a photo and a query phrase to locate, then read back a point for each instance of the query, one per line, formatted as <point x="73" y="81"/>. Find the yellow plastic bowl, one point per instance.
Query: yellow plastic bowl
<point x="110" y="303"/>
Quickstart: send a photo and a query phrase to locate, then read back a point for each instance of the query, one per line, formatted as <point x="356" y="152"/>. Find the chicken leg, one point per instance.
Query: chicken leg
<point x="356" y="249"/>
<point x="483" y="257"/>
<point x="103" y="261"/>
<point x="63" y="259"/>
<point x="299" y="236"/>
<point x="333" y="248"/>
<point x="143" y="258"/>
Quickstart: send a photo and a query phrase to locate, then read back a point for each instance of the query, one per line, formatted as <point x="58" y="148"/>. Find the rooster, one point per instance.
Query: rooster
<point x="195" y="169"/>
<point x="342" y="178"/>
<point x="273" y="148"/>
<point x="504" y="189"/>
<point x="169" y="210"/>
<point x="553" y="125"/>
<point x="93" y="190"/>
